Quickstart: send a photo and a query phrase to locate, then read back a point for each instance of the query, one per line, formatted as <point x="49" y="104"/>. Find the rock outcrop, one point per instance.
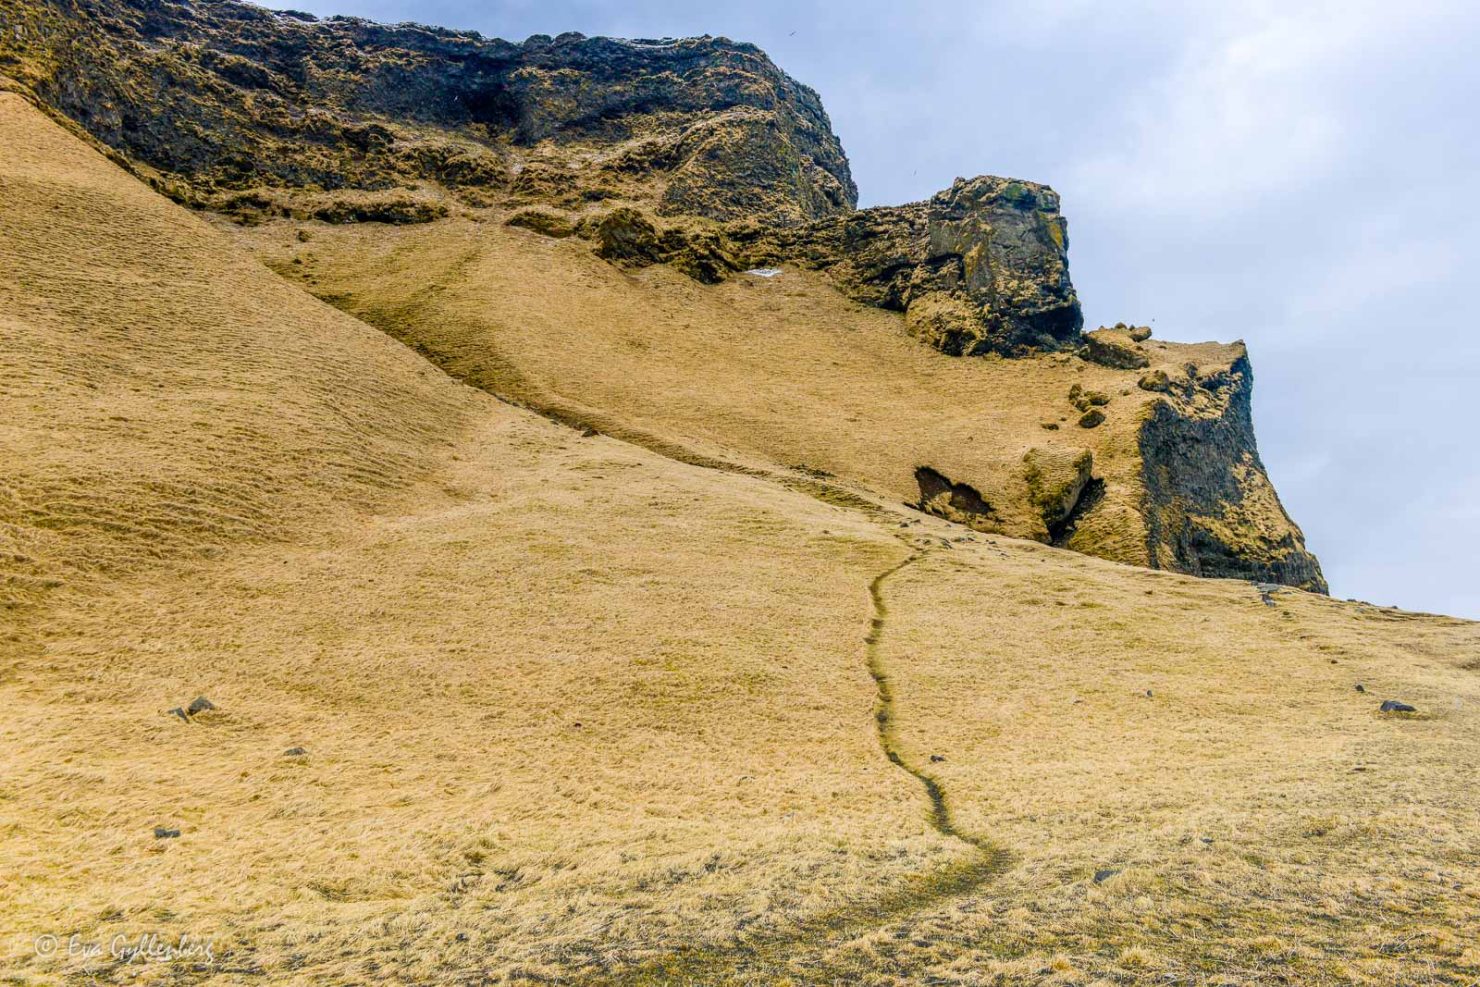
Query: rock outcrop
<point x="216" y="97"/>
<point x="1116" y="348"/>
<point x="980" y="267"/>
<point x="1209" y="507"/>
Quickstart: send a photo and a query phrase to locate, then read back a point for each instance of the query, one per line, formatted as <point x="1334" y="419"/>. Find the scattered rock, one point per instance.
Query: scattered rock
<point x="1207" y="840"/>
<point x="936" y="758"/>
<point x="589" y="433"/>
<point x="1084" y="400"/>
<point x="180" y="712"/>
<point x="161" y="833"/>
<point x="1148" y="693"/>
<point x="1361" y="687"/>
<point x="1394" y="706"/>
<point x="199" y="704"/>
<point x="1105" y="873"/>
<point x="295" y="752"/>
<point x="1139" y="333"/>
<point x="545" y="222"/>
<point x="1155" y="380"/>
<point x="1092" y="418"/>
<point x="1114" y="348"/>
<point x="1051" y="426"/>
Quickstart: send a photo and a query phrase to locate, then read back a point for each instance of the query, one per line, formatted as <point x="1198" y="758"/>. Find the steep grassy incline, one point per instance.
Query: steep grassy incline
<point x="165" y="394"/>
<point x="697" y="156"/>
<point x="529" y="671"/>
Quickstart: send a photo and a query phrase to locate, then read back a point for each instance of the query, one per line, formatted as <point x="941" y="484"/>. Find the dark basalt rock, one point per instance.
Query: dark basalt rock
<point x="981" y="267"/>
<point x="216" y="95"/>
<point x="1209" y="506"/>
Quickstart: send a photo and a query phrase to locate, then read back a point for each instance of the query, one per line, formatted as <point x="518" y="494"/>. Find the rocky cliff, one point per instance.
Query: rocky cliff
<point x="229" y="102"/>
<point x="1209" y="506"/>
<point x="980" y="267"/>
<point x="702" y="155"/>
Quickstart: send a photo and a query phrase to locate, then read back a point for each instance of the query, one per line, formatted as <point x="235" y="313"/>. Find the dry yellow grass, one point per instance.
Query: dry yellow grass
<point x="775" y="372"/>
<point x="576" y="712"/>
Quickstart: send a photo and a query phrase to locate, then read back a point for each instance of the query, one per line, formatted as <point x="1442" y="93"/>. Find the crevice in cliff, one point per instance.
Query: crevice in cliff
<point x="1089" y="498"/>
<point x="958" y="502"/>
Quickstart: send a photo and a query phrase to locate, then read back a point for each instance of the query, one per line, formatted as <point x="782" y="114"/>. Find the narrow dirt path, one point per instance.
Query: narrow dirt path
<point x="765" y="958"/>
<point x="940" y="813"/>
<point x="801" y="950"/>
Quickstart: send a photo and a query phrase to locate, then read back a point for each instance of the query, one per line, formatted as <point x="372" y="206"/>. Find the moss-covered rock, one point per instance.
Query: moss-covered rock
<point x="1209" y="507"/>
<point x="985" y="262"/>
<point x="226" y="96"/>
<point x="1114" y="348"/>
<point x="545" y="222"/>
<point x="1057" y="479"/>
<point x="1155" y="380"/>
<point x="626" y="235"/>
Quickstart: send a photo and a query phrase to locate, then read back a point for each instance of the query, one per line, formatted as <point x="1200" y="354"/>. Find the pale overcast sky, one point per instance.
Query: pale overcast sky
<point x="1304" y="176"/>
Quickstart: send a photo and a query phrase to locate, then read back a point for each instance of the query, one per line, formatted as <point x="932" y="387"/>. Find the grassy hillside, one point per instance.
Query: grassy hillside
<point x="573" y="710"/>
<point x="779" y="372"/>
<point x="697" y="156"/>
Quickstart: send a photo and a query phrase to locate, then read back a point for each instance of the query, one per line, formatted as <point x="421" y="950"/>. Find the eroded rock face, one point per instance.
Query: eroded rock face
<point x="1209" y="507"/>
<point x="220" y="96"/>
<point x="958" y="502"/>
<point x="699" y="154"/>
<point x="981" y="267"/>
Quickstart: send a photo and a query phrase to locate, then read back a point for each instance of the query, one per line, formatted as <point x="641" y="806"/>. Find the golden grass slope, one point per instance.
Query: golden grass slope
<point x="576" y="712"/>
<point x="775" y="372"/>
<point x="163" y="396"/>
<point x="558" y="695"/>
